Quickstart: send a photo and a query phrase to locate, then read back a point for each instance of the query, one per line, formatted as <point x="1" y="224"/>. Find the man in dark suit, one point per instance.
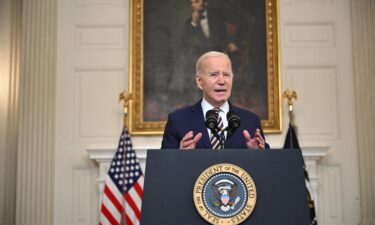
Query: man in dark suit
<point x="185" y="128"/>
<point x="214" y="28"/>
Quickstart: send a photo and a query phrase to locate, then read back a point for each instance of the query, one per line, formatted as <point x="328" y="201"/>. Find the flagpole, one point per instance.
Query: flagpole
<point x="125" y="98"/>
<point x="291" y="139"/>
<point x="290" y="95"/>
<point x="123" y="188"/>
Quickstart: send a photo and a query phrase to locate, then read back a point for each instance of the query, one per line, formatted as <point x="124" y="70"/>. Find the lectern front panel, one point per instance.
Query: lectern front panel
<point x="277" y="174"/>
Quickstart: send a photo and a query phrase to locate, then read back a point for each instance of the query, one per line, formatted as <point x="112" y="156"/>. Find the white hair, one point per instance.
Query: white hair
<point x="199" y="66"/>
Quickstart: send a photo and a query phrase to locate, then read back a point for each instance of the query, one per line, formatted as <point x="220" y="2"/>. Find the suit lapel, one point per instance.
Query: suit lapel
<point x="199" y="125"/>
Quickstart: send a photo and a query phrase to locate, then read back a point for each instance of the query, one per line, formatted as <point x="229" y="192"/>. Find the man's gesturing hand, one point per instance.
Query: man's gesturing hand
<point x="254" y="143"/>
<point x="188" y="142"/>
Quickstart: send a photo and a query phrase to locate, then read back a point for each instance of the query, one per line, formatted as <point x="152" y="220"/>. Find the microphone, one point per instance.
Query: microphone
<point x="212" y="124"/>
<point x="233" y="123"/>
<point x="211" y="120"/>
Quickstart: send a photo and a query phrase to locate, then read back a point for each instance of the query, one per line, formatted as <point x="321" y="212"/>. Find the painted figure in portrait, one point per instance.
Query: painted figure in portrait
<point x="178" y="32"/>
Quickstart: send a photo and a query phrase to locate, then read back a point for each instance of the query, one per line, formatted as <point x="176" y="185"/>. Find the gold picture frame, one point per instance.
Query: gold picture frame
<point x="138" y="123"/>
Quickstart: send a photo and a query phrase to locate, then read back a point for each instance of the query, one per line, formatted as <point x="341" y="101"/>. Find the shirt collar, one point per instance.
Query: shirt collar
<point x="224" y="108"/>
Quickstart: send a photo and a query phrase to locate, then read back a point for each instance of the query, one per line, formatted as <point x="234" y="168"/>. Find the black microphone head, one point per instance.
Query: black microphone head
<point x="233" y="120"/>
<point x="211" y="120"/>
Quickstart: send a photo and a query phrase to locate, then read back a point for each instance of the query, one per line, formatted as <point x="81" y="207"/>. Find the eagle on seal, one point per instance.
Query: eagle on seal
<point x="224" y="196"/>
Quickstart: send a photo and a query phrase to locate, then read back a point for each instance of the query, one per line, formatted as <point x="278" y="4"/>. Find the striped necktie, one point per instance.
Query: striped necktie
<point x="215" y="142"/>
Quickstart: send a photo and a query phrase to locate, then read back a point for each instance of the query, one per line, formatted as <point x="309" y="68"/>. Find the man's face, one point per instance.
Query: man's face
<point x="215" y="80"/>
<point x="198" y="5"/>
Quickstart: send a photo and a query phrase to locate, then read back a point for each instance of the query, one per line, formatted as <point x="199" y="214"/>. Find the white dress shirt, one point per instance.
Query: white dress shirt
<point x="204" y="24"/>
<point x="224" y="109"/>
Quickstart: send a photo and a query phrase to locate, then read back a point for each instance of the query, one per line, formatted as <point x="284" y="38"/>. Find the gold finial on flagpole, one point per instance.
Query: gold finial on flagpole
<point x="125" y="98"/>
<point x="290" y="95"/>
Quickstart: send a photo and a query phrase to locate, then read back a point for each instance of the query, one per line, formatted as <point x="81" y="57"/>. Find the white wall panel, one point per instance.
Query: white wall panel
<point x="331" y="195"/>
<point x="99" y="37"/>
<point x="317" y="62"/>
<point x="289" y="2"/>
<point x="82" y="197"/>
<point x="309" y="35"/>
<point x="92" y="71"/>
<point x="96" y="117"/>
<point x="317" y="96"/>
<point x="101" y="59"/>
<point x="98" y="2"/>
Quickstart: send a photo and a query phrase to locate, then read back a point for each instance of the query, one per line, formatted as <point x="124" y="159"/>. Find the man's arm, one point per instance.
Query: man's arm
<point x="171" y="140"/>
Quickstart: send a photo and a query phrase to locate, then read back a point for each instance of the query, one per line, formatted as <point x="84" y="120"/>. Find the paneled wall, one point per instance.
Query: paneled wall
<point x="92" y="69"/>
<point x="316" y="54"/>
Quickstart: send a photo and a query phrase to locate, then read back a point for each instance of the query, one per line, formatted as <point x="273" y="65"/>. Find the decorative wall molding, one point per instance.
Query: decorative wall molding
<point x="96" y="37"/>
<point x="82" y="200"/>
<point x="84" y="3"/>
<point x="317" y="110"/>
<point x="309" y="34"/>
<point x="318" y="65"/>
<point x="331" y="195"/>
<point x="313" y="155"/>
<point x="290" y="2"/>
<point x="89" y="122"/>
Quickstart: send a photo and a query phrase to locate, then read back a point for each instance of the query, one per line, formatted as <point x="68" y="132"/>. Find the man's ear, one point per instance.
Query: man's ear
<point x="198" y="80"/>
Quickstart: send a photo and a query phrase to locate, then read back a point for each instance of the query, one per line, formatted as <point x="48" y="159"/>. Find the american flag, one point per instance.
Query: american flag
<point x="123" y="189"/>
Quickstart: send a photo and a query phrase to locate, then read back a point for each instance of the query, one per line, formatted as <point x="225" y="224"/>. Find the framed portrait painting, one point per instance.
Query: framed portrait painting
<point x="168" y="36"/>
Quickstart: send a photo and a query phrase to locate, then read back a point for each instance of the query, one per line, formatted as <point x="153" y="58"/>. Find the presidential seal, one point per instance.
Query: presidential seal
<point x="224" y="194"/>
